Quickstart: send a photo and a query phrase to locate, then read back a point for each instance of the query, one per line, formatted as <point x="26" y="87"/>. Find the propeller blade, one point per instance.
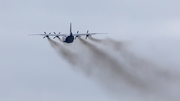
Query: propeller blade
<point x="54" y="32"/>
<point x="87" y="31"/>
<point x="44" y="32"/>
<point x="59" y="32"/>
<point x="77" y="32"/>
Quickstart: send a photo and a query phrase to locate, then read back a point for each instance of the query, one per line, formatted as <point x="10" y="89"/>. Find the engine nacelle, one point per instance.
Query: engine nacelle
<point x="87" y="36"/>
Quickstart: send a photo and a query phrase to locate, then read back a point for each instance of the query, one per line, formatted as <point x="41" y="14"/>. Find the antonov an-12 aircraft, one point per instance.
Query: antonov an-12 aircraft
<point x="68" y="38"/>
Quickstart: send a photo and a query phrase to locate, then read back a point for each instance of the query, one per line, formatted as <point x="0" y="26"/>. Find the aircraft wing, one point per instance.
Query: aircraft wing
<point x="84" y="34"/>
<point x="49" y="34"/>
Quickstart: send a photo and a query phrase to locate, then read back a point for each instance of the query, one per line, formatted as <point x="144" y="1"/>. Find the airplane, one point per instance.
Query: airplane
<point x="68" y="38"/>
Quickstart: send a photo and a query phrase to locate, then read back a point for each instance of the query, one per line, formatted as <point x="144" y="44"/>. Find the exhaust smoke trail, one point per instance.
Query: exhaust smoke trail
<point x="159" y="80"/>
<point x="93" y="39"/>
<point x="132" y="59"/>
<point x="118" y="46"/>
<point x="60" y="39"/>
<point x="62" y="51"/>
<point x="115" y="70"/>
<point x="120" y="71"/>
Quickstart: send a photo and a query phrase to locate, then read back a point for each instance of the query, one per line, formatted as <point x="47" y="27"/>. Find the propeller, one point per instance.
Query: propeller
<point x="77" y="35"/>
<point x="46" y="35"/>
<point x="87" y="34"/>
<point x="56" y="36"/>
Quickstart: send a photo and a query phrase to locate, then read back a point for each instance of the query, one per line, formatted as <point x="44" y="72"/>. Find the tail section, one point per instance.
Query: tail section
<point x="71" y="29"/>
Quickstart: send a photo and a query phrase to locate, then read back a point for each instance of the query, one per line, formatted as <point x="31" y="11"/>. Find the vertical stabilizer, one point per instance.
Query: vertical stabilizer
<point x="70" y="29"/>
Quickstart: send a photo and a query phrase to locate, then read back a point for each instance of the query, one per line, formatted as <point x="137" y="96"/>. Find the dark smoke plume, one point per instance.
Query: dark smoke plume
<point x="93" y="39"/>
<point x="159" y="80"/>
<point x="114" y="68"/>
<point x="119" y="71"/>
<point x="60" y="39"/>
<point x="133" y="60"/>
<point x="62" y="51"/>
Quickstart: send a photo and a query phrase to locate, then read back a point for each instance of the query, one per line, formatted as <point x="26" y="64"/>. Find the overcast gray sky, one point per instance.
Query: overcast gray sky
<point x="31" y="70"/>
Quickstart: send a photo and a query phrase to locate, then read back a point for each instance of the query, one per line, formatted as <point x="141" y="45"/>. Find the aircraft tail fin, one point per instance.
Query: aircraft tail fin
<point x="70" y="29"/>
